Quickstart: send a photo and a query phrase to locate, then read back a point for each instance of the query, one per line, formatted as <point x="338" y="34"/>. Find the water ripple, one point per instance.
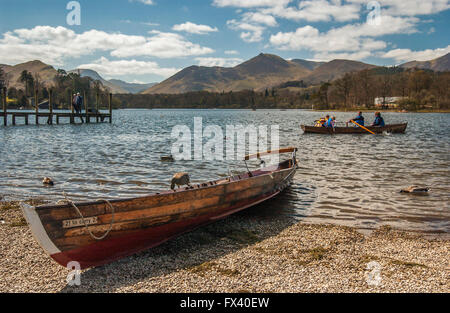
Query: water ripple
<point x="349" y="179"/>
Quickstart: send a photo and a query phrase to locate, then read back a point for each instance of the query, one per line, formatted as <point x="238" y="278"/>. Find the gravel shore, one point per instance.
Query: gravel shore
<point x="247" y="252"/>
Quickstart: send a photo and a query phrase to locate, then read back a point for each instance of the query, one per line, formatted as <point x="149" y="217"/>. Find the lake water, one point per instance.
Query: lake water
<point x="345" y="179"/>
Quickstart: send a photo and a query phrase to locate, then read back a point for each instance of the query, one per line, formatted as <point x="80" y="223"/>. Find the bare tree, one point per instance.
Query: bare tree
<point x="343" y="88"/>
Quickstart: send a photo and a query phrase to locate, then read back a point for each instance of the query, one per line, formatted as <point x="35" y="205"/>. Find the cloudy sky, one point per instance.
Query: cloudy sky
<point x="150" y="40"/>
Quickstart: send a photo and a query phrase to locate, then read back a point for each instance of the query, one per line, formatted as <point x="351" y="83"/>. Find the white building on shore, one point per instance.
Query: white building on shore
<point x="390" y="102"/>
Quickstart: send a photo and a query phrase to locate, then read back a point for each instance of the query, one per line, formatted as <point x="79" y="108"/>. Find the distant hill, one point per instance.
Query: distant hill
<point x="95" y="76"/>
<point x="131" y="87"/>
<point x="310" y="65"/>
<point x="262" y="71"/>
<point x="335" y="69"/>
<point x="115" y="85"/>
<point x="265" y="71"/>
<point x="46" y="72"/>
<point x="440" y="64"/>
<point x="258" y="73"/>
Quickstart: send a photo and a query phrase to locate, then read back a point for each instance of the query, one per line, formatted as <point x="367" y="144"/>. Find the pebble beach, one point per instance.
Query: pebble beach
<point x="243" y="253"/>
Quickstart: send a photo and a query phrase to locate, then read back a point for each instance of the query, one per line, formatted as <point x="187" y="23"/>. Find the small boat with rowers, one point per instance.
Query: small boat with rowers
<point x="99" y="232"/>
<point x="393" y="128"/>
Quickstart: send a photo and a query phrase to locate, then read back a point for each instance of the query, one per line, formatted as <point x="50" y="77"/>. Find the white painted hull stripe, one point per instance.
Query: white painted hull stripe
<point x="38" y="229"/>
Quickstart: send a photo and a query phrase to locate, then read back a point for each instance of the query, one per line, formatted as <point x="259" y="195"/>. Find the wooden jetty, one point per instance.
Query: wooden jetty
<point x="87" y="117"/>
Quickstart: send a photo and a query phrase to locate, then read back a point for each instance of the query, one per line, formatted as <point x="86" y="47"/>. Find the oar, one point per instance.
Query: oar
<point x="362" y="127"/>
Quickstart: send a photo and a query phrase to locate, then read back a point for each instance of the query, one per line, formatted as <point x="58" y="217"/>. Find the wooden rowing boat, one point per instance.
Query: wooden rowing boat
<point x="394" y="128"/>
<point x="96" y="233"/>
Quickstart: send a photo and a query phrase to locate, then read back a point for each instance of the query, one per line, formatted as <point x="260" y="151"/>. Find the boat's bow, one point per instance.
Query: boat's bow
<point x="38" y="230"/>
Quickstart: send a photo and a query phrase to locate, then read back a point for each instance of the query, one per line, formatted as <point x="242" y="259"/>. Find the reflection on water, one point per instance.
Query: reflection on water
<point x="346" y="179"/>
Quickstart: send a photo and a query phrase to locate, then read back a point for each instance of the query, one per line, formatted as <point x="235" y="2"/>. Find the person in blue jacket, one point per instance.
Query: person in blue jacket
<point x="358" y="119"/>
<point x="379" y="121"/>
<point x="330" y="122"/>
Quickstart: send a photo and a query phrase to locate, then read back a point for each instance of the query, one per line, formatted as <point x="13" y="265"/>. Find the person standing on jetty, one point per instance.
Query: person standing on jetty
<point x="358" y="119"/>
<point x="74" y="103"/>
<point x="79" y="103"/>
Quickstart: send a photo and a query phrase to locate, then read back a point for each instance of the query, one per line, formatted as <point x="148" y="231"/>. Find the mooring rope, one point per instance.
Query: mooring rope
<point x="84" y="222"/>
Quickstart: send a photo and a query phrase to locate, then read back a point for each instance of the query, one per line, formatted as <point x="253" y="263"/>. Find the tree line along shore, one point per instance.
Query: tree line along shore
<point x="414" y="90"/>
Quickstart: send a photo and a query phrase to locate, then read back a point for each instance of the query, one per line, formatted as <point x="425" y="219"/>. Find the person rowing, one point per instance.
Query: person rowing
<point x="327" y="118"/>
<point x="358" y="119"/>
<point x="331" y="122"/>
<point x="379" y="121"/>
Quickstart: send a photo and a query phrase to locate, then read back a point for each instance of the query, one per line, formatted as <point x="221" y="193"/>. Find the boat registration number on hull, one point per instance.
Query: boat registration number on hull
<point x="79" y="222"/>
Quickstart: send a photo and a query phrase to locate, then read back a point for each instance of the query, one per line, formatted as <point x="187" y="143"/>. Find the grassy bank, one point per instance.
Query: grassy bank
<point x="244" y="253"/>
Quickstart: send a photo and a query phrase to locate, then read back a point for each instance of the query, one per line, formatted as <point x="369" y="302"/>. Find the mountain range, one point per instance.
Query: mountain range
<point x="267" y="70"/>
<point x="440" y="64"/>
<point x="258" y="73"/>
<point x="261" y="72"/>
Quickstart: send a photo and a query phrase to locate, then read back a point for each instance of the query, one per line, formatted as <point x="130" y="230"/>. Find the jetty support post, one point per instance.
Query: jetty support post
<point x="72" y="109"/>
<point x="86" y="107"/>
<point x="50" y="107"/>
<point x="5" y="109"/>
<point x="96" y="107"/>
<point x="110" y="107"/>
<point x="36" y="105"/>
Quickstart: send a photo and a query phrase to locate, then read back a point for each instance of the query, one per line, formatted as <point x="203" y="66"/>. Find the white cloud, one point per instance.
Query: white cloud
<point x="406" y="55"/>
<point x="316" y="10"/>
<point x="260" y="18"/>
<point x="309" y="10"/>
<point x="250" y="32"/>
<point x="232" y="52"/>
<point x="146" y="2"/>
<point x="410" y="7"/>
<point x="162" y="45"/>
<point x="150" y="24"/>
<point x="252" y="25"/>
<point x="194" y="28"/>
<point x="222" y="62"/>
<point x="110" y="68"/>
<point x="355" y="40"/>
<point x="250" y="3"/>
<point x="54" y="44"/>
